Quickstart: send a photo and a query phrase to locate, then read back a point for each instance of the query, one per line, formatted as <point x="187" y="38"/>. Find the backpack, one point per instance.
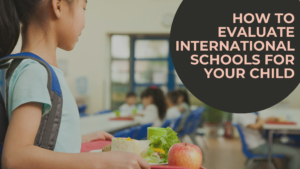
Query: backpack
<point x="49" y="126"/>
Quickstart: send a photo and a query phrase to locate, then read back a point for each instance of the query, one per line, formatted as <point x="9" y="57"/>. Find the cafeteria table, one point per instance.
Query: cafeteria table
<point x="99" y="144"/>
<point x="288" y="114"/>
<point x="102" y="122"/>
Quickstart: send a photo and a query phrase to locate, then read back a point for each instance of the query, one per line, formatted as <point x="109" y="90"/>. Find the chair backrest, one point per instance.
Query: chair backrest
<point x="167" y="123"/>
<point x="142" y="133"/>
<point x="82" y="108"/>
<point x="245" y="148"/>
<point x="134" y="131"/>
<point x="187" y="125"/>
<point x="122" y="133"/>
<point x="176" y="123"/>
<point x="197" y="114"/>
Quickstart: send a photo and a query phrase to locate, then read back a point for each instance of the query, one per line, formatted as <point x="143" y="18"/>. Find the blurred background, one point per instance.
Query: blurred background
<point x="125" y="47"/>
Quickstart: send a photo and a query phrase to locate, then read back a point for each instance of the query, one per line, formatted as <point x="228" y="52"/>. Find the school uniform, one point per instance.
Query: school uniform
<point x="173" y="112"/>
<point x="126" y="109"/>
<point x="150" y="116"/>
<point x="29" y="84"/>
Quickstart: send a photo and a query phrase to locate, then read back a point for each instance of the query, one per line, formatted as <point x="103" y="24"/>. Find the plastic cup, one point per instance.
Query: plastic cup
<point x="117" y="113"/>
<point x="157" y="131"/>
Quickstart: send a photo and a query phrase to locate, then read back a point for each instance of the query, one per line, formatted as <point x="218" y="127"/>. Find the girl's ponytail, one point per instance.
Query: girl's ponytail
<point x="9" y="27"/>
<point x="158" y="99"/>
<point x="160" y="102"/>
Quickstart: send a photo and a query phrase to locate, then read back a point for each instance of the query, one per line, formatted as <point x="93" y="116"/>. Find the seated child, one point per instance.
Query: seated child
<point x="129" y="106"/>
<point x="171" y="100"/>
<point x="154" y="107"/>
<point x="183" y="102"/>
<point x="251" y="124"/>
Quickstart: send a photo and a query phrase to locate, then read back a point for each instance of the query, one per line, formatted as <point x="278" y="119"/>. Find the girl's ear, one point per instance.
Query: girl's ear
<point x="56" y="6"/>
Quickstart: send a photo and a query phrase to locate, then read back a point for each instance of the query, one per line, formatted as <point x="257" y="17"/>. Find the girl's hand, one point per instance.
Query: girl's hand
<point x="136" y="115"/>
<point x="181" y="109"/>
<point x="124" y="160"/>
<point x="99" y="135"/>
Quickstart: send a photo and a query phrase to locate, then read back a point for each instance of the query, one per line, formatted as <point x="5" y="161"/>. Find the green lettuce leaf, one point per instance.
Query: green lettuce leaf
<point x="152" y="159"/>
<point x="163" y="142"/>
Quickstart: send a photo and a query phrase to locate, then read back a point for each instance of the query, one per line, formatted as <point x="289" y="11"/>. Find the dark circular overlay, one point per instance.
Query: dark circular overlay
<point x="238" y="79"/>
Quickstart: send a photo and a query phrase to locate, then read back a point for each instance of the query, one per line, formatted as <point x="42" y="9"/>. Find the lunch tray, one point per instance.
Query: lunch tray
<point x="122" y="118"/>
<point x="94" y="145"/>
<point x="169" y="167"/>
<point x="99" y="144"/>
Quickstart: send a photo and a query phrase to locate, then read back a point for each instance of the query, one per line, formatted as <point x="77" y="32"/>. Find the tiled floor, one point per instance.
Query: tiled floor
<point x="226" y="154"/>
<point x="221" y="153"/>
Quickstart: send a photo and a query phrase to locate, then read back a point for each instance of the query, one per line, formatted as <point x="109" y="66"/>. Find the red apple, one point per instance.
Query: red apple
<point x="185" y="155"/>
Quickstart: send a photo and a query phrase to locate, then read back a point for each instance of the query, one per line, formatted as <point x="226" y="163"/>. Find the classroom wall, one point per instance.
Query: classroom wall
<point x="91" y="58"/>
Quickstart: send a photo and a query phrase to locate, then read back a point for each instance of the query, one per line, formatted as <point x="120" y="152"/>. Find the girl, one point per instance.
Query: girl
<point x="155" y="107"/>
<point x="46" y="26"/>
<point x="183" y="103"/>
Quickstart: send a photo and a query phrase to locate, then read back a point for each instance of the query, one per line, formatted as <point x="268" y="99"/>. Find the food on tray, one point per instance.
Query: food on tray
<point x="185" y="155"/>
<point x="277" y="120"/>
<point x="139" y="147"/>
<point x="106" y="148"/>
<point x="160" y="145"/>
<point x="154" y="150"/>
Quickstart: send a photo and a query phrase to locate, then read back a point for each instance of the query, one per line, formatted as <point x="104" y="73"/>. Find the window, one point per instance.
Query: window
<point x="139" y="62"/>
<point x="120" y="69"/>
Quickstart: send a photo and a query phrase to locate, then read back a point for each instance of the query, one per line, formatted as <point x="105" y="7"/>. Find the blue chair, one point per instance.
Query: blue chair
<point x="176" y="123"/>
<point x="142" y="133"/>
<point x="196" y="120"/>
<point x="103" y="112"/>
<point x="134" y="131"/>
<point x="82" y="108"/>
<point x="167" y="123"/>
<point x="191" y="124"/>
<point x="122" y="133"/>
<point x="187" y="125"/>
<point x="254" y="159"/>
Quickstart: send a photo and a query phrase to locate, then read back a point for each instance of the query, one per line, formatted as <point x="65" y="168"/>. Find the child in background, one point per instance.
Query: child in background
<point x="154" y="107"/>
<point x="251" y="124"/>
<point x="45" y="26"/>
<point x="183" y="103"/>
<point x="171" y="100"/>
<point x="127" y="108"/>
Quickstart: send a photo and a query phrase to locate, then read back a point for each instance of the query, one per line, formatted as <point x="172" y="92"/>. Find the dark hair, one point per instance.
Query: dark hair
<point x="158" y="99"/>
<point x="185" y="96"/>
<point x="173" y="96"/>
<point x="12" y="13"/>
<point x="130" y="94"/>
<point x="9" y="26"/>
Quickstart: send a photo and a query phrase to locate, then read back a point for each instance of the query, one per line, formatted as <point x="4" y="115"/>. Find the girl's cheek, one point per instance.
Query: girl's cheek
<point x="81" y="21"/>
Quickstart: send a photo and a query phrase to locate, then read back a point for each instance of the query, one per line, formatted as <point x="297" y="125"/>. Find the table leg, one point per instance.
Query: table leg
<point x="270" y="166"/>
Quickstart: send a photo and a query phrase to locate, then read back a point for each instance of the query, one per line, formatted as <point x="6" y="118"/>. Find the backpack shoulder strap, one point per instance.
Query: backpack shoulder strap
<point x="49" y="126"/>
